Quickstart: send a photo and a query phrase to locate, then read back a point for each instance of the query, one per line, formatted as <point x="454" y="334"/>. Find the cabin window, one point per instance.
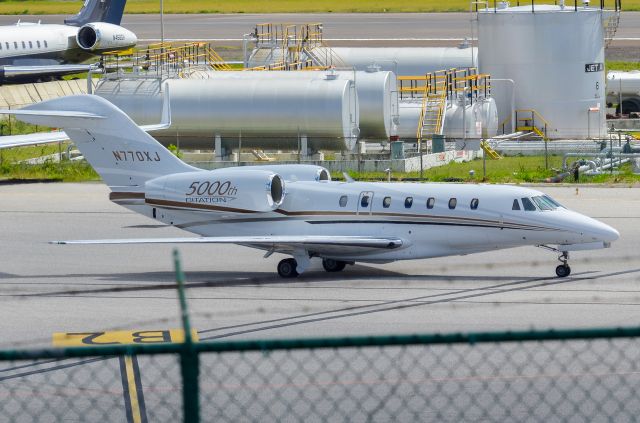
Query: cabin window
<point x="38" y="44"/>
<point x="7" y="45"/>
<point x="364" y="203"/>
<point x="30" y="44"/>
<point x="386" y="202"/>
<point x="24" y="46"/>
<point x="0" y="46"/>
<point x="408" y="202"/>
<point x="15" y="45"/>
<point x="45" y="43"/>
<point x="343" y="201"/>
<point x="474" y="204"/>
<point x="528" y="205"/>
<point x="431" y="202"/>
<point x="516" y="205"/>
<point x="453" y="203"/>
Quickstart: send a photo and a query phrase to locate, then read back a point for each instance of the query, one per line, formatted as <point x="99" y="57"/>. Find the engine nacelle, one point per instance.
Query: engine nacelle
<point x="218" y="190"/>
<point x="291" y="172"/>
<point x="104" y="36"/>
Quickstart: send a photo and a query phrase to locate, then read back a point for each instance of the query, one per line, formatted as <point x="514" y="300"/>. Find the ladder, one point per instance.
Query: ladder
<point x="432" y="112"/>
<point x="489" y="151"/>
<point x="611" y="25"/>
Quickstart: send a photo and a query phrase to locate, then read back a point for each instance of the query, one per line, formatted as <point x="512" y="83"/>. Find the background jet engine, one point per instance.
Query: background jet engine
<point x="104" y="36"/>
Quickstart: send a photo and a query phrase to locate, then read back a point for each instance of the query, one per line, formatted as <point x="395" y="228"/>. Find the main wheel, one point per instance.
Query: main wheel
<point x="331" y="265"/>
<point x="563" y="270"/>
<point x="287" y="268"/>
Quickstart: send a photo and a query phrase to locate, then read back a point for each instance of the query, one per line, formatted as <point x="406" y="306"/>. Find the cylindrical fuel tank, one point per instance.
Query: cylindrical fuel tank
<point x="376" y="90"/>
<point x="403" y="61"/>
<point x="555" y="57"/>
<point x="625" y="87"/>
<point x="255" y="113"/>
<point x="480" y="119"/>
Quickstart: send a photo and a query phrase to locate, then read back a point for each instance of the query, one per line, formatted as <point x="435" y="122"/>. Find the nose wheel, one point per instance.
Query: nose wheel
<point x="563" y="270"/>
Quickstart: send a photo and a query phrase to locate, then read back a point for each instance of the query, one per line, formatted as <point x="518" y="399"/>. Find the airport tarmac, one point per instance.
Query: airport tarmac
<point x="234" y="293"/>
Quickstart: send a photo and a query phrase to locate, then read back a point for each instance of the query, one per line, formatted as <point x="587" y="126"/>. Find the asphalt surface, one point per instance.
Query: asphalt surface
<point x="233" y="293"/>
<point x="236" y="294"/>
<point x="380" y="29"/>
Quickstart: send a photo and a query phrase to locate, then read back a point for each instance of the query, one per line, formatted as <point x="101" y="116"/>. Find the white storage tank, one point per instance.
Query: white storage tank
<point x="408" y="61"/>
<point x="480" y="119"/>
<point x="376" y="91"/>
<point x="555" y="56"/>
<point x="624" y="86"/>
<point x="403" y="61"/>
<point x="264" y="113"/>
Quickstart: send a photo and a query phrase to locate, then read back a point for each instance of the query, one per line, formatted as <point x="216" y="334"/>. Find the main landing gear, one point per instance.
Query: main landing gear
<point x="562" y="270"/>
<point x="288" y="268"/>
<point x="331" y="265"/>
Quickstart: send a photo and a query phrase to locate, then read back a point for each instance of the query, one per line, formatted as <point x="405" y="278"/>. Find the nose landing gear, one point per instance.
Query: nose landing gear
<point x="563" y="270"/>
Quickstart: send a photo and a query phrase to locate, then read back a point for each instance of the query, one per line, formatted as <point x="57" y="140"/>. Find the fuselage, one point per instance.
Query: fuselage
<point x="432" y="219"/>
<point x="31" y="44"/>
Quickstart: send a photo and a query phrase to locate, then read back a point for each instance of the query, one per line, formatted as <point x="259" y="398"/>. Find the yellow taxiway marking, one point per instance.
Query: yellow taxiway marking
<point x="120" y="337"/>
<point x="136" y="412"/>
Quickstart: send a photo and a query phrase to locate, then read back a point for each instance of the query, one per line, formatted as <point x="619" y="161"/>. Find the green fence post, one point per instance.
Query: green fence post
<point x="189" y="360"/>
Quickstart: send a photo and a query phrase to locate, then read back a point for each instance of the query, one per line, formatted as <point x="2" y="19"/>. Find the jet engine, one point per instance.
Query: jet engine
<point x="104" y="36"/>
<point x="292" y="172"/>
<point x="218" y="190"/>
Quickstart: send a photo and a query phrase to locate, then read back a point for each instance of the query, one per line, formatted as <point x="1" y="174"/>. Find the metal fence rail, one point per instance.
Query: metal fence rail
<point x="568" y="375"/>
<point x="587" y="375"/>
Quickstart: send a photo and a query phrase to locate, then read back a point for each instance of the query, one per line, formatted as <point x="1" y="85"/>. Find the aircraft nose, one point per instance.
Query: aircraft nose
<point x="604" y="232"/>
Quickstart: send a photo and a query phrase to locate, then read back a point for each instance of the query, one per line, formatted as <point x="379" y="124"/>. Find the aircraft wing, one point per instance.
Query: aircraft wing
<point x="283" y="243"/>
<point x="17" y="72"/>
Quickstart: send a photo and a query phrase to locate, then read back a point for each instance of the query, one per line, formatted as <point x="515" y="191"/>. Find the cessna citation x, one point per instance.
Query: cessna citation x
<point x="298" y="211"/>
<point x="31" y="51"/>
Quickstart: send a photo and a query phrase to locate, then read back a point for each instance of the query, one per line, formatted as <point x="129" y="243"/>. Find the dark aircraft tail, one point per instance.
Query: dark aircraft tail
<point x="109" y="11"/>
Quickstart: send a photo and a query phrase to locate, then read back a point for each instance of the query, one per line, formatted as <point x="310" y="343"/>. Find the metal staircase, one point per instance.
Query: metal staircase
<point x="488" y="150"/>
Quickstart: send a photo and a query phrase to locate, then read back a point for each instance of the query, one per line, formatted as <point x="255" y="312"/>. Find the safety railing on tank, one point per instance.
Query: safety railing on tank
<point x="496" y="6"/>
<point x="164" y="59"/>
<point x="467" y="82"/>
<point x="531" y="120"/>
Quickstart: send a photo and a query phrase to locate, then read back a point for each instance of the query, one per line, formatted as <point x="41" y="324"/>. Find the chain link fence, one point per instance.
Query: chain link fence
<point x="588" y="375"/>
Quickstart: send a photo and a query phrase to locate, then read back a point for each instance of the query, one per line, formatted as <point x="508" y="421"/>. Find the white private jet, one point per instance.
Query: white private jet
<point x="31" y="51"/>
<point x="297" y="210"/>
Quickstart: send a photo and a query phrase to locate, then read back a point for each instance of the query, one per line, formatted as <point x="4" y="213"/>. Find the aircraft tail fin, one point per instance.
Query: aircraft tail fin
<point x="109" y="11"/>
<point x="118" y="149"/>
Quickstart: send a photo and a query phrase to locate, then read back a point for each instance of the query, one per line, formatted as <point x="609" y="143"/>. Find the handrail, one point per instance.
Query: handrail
<point x="603" y="4"/>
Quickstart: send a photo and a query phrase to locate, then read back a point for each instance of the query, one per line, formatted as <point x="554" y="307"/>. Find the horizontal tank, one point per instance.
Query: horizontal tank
<point x="376" y="91"/>
<point x="263" y="113"/>
<point x="480" y="119"/>
<point x="624" y="87"/>
<point x="408" y="61"/>
<point x="553" y="58"/>
<point x="403" y="61"/>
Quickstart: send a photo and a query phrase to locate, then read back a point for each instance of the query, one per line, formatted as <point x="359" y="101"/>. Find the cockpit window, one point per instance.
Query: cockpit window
<point x="552" y="201"/>
<point x="516" y="205"/>
<point x="545" y="202"/>
<point x="542" y="203"/>
<point x="528" y="205"/>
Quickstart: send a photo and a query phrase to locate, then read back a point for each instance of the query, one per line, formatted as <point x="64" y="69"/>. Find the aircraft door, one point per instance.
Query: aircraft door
<point x="365" y="202"/>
